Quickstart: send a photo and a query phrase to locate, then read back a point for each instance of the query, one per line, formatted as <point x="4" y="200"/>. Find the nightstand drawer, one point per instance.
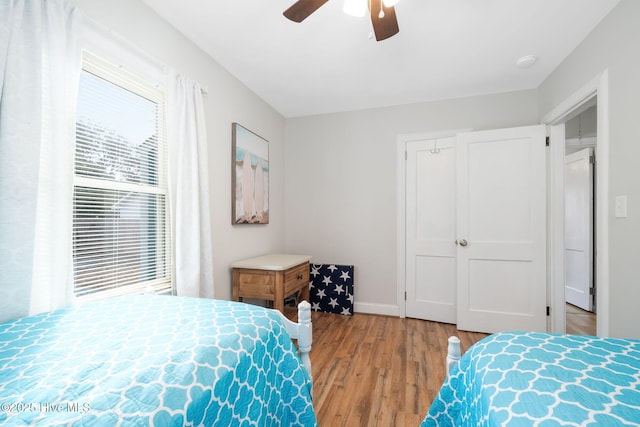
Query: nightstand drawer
<point x="295" y="278"/>
<point x="257" y="284"/>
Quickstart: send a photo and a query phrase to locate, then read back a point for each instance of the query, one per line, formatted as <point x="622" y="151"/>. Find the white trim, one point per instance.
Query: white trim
<point x="401" y="148"/>
<point x="116" y="49"/>
<point x="381" y="309"/>
<point x="401" y="225"/>
<point x="555" y="232"/>
<point x="573" y="105"/>
<point x="105" y="184"/>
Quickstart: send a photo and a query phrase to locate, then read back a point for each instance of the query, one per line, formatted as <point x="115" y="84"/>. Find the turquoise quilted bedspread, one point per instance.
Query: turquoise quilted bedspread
<point x="546" y="380"/>
<point x="152" y="360"/>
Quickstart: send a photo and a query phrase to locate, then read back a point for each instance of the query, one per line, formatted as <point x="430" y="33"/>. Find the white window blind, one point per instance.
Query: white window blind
<point x="121" y="239"/>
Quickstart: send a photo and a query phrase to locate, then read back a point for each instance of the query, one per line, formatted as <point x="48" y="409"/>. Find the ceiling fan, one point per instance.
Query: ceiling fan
<point x="382" y="12"/>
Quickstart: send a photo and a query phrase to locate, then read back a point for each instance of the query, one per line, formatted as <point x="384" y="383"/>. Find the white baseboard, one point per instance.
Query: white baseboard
<point x="382" y="309"/>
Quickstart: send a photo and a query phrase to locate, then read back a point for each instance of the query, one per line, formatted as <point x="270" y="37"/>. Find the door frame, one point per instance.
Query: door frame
<point x="401" y="200"/>
<point x="596" y="89"/>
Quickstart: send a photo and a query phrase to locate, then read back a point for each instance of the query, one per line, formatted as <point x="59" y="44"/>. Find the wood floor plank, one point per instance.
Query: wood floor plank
<point x="580" y="321"/>
<point x="373" y="370"/>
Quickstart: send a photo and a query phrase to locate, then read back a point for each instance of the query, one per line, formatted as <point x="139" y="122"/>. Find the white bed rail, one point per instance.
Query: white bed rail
<point x="301" y="331"/>
<point x="453" y="352"/>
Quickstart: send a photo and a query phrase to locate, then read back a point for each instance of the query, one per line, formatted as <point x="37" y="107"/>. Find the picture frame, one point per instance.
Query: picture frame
<point x="249" y="177"/>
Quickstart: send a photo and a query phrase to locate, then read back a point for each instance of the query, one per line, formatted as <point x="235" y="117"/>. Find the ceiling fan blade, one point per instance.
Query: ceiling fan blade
<point x="385" y="26"/>
<point x="301" y="9"/>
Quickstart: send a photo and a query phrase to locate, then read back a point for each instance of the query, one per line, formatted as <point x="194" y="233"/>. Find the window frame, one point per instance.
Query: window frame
<point x="146" y="88"/>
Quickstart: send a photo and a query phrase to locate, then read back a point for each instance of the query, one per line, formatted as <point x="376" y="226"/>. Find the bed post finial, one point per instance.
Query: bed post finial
<point x="305" y="333"/>
<point x="304" y="312"/>
<point x="453" y="352"/>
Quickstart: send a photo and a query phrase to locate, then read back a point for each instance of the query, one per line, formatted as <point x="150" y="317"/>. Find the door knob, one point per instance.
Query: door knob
<point x="462" y="242"/>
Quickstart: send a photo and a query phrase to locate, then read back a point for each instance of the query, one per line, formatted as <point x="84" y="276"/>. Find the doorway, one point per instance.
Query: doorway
<point x="594" y="93"/>
<point x="580" y="233"/>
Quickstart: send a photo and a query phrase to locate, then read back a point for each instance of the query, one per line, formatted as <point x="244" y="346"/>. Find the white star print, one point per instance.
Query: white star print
<point x="336" y="297"/>
<point x="314" y="270"/>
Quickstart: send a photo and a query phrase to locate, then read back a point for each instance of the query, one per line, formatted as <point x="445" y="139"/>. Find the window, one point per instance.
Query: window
<point x="121" y="239"/>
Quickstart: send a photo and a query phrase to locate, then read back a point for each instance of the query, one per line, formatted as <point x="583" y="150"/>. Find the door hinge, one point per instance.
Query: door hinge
<point x="592" y="291"/>
<point x="547" y="141"/>
<point x="592" y="159"/>
<point x="405" y="295"/>
<point x="548" y="311"/>
<point x="405" y="154"/>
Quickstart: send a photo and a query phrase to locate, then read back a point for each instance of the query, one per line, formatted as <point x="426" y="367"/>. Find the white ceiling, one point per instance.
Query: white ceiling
<point x="328" y="63"/>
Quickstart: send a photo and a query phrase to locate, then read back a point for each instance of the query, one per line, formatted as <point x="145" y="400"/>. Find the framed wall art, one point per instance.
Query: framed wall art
<point x="249" y="177"/>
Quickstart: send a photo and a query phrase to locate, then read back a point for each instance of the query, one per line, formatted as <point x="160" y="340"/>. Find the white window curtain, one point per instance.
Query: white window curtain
<point x="189" y="187"/>
<point x="40" y="61"/>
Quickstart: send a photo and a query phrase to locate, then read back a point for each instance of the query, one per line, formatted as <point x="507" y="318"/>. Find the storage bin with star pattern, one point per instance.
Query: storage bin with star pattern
<point x="331" y="288"/>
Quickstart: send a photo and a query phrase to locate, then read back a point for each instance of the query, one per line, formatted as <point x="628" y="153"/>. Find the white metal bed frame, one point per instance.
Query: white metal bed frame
<point x="301" y="331"/>
<point x="453" y="352"/>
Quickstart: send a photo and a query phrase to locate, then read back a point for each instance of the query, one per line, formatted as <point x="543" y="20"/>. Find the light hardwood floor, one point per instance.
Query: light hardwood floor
<point x="373" y="370"/>
<point x="579" y="321"/>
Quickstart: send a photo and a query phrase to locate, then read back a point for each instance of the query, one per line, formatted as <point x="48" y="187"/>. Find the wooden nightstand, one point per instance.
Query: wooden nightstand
<point x="271" y="277"/>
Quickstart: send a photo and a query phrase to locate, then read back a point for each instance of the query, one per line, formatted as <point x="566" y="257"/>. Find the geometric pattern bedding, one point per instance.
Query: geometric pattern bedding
<point x="538" y="379"/>
<point x="152" y="360"/>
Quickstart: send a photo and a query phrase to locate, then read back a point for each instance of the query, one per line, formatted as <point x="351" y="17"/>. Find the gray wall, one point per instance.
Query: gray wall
<point x="613" y="45"/>
<point x="341" y="185"/>
<point x="338" y="171"/>
<point x="228" y="101"/>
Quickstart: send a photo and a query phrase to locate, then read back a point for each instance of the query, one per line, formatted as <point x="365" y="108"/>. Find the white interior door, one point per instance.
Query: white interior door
<point x="578" y="226"/>
<point x="430" y="230"/>
<point x="501" y="230"/>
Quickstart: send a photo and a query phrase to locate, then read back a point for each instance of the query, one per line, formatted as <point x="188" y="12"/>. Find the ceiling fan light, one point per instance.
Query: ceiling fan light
<point x="356" y="8"/>
<point x="390" y="3"/>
